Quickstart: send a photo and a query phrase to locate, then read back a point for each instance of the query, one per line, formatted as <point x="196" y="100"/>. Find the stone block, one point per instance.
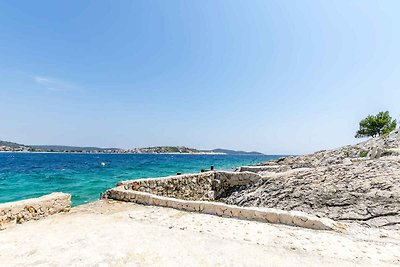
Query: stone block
<point x="228" y="213"/>
<point x="236" y="212"/>
<point x="132" y="197"/>
<point x="209" y="208"/>
<point x="260" y="215"/>
<point x="272" y="217"/>
<point x="286" y="218"/>
<point x="163" y="202"/>
<point x="177" y="204"/>
<point x="201" y="206"/>
<point x="247" y="213"/>
<point x="300" y="220"/>
<point x="219" y="210"/>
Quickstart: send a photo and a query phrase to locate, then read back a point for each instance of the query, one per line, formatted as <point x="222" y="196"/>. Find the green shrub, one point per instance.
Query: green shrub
<point x="363" y="154"/>
<point x="376" y="125"/>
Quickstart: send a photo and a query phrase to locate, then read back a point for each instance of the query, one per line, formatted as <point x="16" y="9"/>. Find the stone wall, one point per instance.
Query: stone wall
<point x="292" y="218"/>
<point x="197" y="192"/>
<point x="201" y="186"/>
<point x="33" y="209"/>
<point x="266" y="168"/>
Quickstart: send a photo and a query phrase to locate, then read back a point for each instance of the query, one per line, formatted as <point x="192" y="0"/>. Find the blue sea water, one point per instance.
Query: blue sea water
<point x="85" y="176"/>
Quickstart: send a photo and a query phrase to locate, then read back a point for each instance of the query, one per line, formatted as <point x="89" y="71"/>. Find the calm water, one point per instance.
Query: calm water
<point x="85" y="176"/>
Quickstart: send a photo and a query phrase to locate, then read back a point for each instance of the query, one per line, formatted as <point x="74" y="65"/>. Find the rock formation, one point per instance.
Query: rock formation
<point x="359" y="183"/>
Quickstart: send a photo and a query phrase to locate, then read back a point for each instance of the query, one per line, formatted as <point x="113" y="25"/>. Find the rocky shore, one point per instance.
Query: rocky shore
<point x="359" y="183"/>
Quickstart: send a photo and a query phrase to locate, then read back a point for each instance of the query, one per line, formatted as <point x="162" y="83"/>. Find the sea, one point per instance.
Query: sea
<point x="86" y="176"/>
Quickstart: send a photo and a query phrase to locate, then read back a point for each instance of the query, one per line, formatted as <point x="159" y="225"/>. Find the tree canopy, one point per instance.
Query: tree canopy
<point x="376" y="125"/>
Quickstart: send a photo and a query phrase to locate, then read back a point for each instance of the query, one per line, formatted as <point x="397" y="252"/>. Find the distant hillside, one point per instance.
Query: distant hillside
<point x="187" y="150"/>
<point x="234" y="152"/>
<point x="10" y="144"/>
<point x="59" y="148"/>
<point x="165" y="150"/>
<point x="10" y="147"/>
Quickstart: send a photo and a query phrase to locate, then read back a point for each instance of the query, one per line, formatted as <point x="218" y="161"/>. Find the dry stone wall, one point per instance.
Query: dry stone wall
<point x="197" y="192"/>
<point x="202" y="186"/>
<point x="33" y="209"/>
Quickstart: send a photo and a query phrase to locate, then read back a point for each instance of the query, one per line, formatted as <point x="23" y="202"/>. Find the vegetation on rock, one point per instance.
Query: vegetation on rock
<point x="376" y="125"/>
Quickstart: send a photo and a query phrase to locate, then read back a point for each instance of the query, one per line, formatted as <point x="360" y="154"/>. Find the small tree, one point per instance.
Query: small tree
<point x="380" y="124"/>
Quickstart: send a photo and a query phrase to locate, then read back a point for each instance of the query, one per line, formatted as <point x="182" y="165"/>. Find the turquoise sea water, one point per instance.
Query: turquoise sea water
<point x="85" y="176"/>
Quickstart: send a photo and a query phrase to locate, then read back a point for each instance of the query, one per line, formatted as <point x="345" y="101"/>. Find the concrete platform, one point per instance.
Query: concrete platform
<point x="111" y="233"/>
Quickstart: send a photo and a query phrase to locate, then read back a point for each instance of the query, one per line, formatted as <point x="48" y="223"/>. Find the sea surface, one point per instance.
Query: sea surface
<point x="86" y="176"/>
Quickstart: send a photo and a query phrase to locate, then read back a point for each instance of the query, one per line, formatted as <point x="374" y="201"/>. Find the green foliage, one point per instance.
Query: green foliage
<point x="363" y="154"/>
<point x="376" y="125"/>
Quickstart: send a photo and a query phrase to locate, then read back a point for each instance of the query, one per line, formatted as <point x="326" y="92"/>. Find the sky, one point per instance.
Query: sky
<point x="280" y="77"/>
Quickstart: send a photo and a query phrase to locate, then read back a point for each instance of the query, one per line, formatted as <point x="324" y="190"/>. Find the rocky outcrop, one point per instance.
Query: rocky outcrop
<point x="354" y="183"/>
<point x="372" y="148"/>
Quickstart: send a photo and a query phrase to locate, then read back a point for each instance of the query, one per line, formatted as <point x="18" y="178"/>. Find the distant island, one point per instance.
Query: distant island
<point x="6" y="146"/>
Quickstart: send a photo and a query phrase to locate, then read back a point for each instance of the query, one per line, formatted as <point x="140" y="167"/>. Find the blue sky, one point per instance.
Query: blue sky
<point x="281" y="77"/>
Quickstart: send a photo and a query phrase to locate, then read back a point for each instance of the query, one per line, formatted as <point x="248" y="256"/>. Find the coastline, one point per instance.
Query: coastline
<point x="114" y="153"/>
<point x="172" y="209"/>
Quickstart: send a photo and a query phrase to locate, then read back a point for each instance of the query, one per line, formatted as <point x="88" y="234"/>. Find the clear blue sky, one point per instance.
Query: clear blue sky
<point x="274" y="76"/>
